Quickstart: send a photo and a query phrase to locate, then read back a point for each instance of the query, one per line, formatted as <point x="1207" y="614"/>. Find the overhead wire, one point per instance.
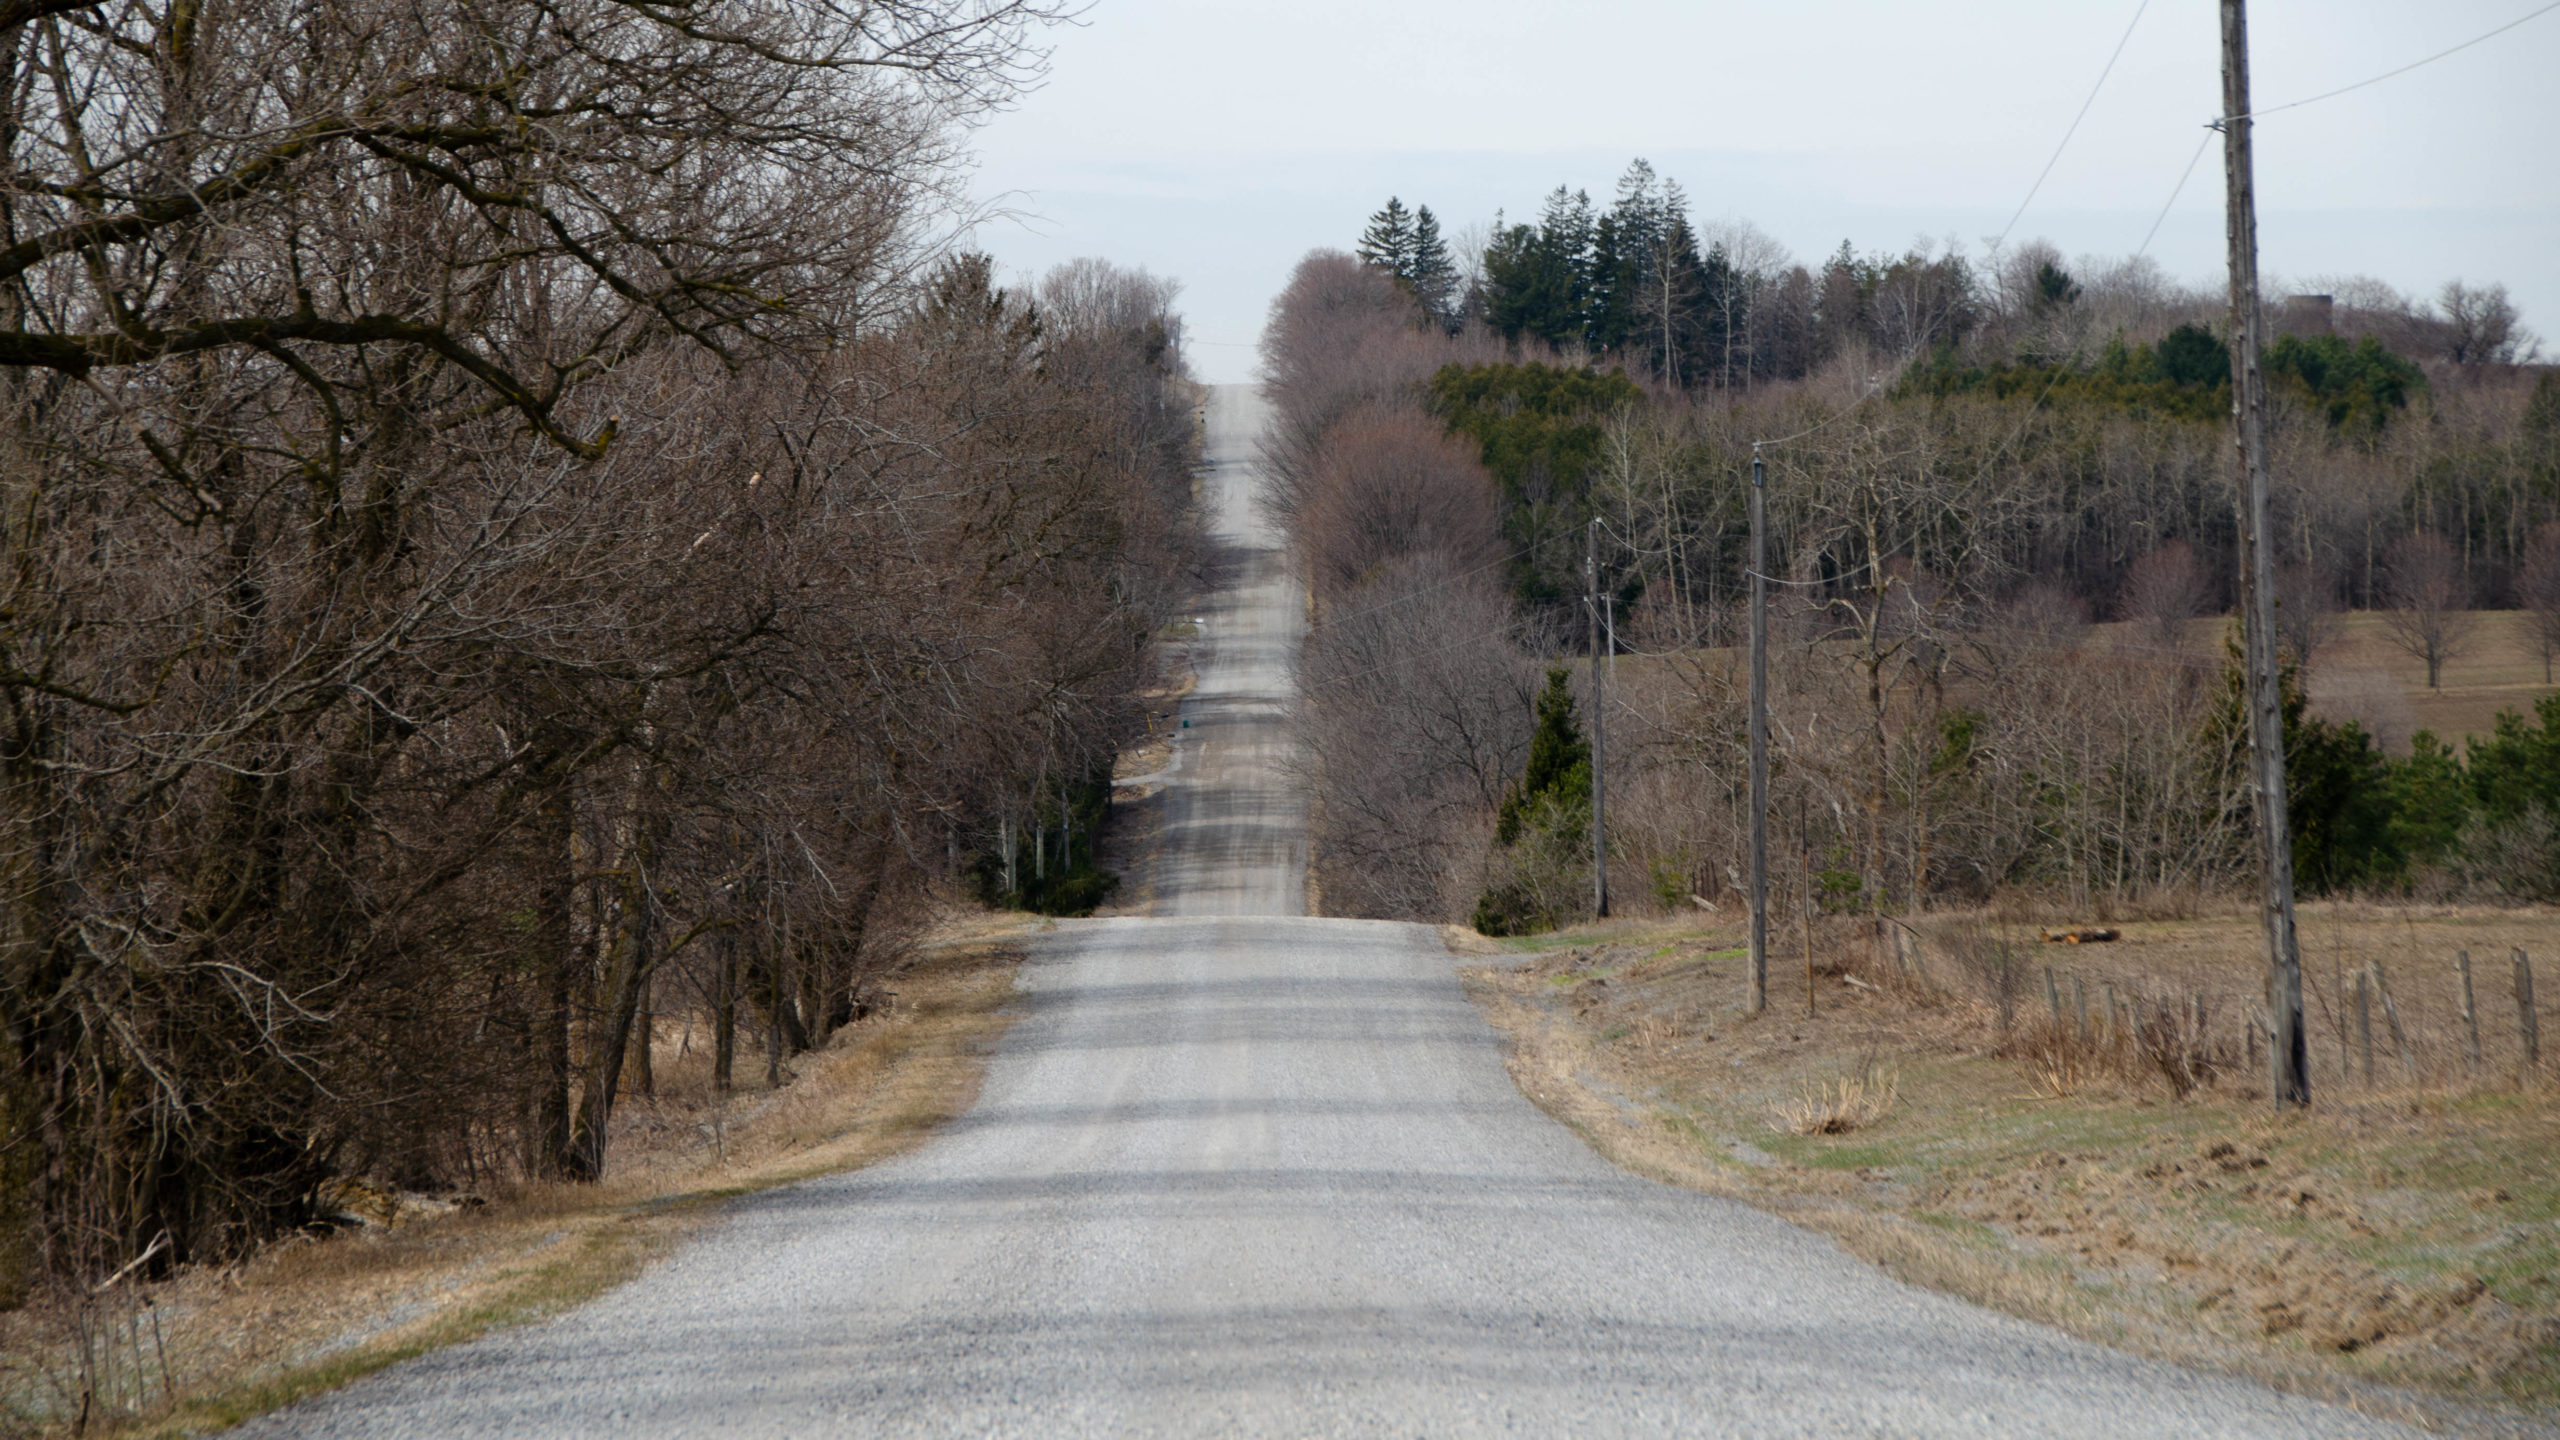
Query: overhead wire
<point x="1876" y="384"/>
<point x="2074" y="128"/>
<point x="2080" y="345"/>
<point x="2403" y="70"/>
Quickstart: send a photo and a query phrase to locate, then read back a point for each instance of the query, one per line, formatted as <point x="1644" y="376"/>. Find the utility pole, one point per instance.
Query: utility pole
<point x="1759" y="997"/>
<point x="1599" y="791"/>
<point x="2290" y="1071"/>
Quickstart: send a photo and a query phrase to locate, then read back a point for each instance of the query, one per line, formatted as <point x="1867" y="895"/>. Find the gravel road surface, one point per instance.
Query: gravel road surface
<point x="1240" y="1172"/>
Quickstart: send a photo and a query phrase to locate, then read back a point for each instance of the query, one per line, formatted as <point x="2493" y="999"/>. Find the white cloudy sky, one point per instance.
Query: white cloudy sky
<point x="1218" y="140"/>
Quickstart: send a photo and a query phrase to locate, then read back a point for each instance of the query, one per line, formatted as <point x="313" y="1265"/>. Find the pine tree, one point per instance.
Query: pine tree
<point x="1536" y="276"/>
<point x="1721" y="320"/>
<point x="1556" y="788"/>
<point x="1435" y="277"/>
<point x="1388" y="242"/>
<point x="1569" y="239"/>
<point x="1543" y="826"/>
<point x="1626" y="263"/>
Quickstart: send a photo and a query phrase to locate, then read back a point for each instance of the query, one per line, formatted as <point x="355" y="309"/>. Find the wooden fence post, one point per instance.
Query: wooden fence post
<point x="2528" y="1024"/>
<point x="2391" y="1017"/>
<point x="2470" y="1013"/>
<point x="2080" y="1003"/>
<point x="2052" y="996"/>
<point x="2364" y="1021"/>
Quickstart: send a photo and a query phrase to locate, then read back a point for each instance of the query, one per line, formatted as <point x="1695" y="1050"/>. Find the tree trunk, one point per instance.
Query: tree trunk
<point x="644" y="1056"/>
<point x="555" y="950"/>
<point x="627" y="971"/>
<point x="724" y="1018"/>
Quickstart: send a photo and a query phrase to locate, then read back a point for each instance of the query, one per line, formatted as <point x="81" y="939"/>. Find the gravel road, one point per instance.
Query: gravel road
<point x="1240" y="1172"/>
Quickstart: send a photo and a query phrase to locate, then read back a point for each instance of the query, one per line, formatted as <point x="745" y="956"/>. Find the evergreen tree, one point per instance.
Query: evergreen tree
<point x="2192" y="355"/>
<point x="1435" y="277"/>
<point x="2055" y="288"/>
<point x="2516" y="768"/>
<point x="1555" y="791"/>
<point x="1538" y="275"/>
<point x="2430" y="800"/>
<point x="1626" y="261"/>
<point x="1720" y="318"/>
<point x="1388" y="242"/>
<point x="1511" y="281"/>
<point x="2538" y="436"/>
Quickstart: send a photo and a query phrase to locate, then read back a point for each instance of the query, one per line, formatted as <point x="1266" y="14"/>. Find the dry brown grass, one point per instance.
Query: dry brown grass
<point x="211" y="1348"/>
<point x="2499" y="671"/>
<point x="2398" y="1247"/>
<point x="1836" y="1107"/>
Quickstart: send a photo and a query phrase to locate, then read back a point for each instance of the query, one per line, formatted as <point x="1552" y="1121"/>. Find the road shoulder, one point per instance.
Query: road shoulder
<point x="2117" y="1217"/>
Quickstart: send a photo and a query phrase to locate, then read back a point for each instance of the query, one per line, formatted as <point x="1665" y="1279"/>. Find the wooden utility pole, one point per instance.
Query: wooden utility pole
<point x="1759" y="997"/>
<point x="2290" y="1072"/>
<point x="1599" y="731"/>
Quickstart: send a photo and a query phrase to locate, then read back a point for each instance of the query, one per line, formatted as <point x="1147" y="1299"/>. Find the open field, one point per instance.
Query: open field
<point x="212" y="1347"/>
<point x="2502" y="670"/>
<point x="2397" y="1247"/>
<point x="2357" y="674"/>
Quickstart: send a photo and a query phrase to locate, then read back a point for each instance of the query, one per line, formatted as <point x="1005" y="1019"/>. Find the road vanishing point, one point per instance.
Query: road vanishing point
<point x="1241" y="1172"/>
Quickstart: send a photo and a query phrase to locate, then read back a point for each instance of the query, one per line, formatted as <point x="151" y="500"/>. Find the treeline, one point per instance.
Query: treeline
<point x="515" y="526"/>
<point x="1947" y="523"/>
<point x="1638" y="284"/>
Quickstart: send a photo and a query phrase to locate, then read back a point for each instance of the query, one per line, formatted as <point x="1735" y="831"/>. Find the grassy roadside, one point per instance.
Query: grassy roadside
<point x="305" y="1317"/>
<point x="2397" y="1248"/>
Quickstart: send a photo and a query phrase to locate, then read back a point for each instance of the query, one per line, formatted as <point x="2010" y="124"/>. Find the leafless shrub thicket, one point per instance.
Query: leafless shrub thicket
<point x="2538" y="592"/>
<point x="1416" y="715"/>
<point x="1341" y="336"/>
<point x="511" y="527"/>
<point x="1394" y="485"/>
<point x="2163" y="590"/>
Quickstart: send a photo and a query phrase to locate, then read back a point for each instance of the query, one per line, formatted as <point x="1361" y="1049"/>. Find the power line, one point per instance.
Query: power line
<point x="2179" y="189"/>
<point x="2403" y="70"/>
<point x="2082" y="344"/>
<point x="1876" y="384"/>
<point x="2115" y="55"/>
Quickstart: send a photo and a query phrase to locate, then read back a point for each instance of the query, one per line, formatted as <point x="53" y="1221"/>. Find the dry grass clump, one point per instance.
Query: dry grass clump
<point x="1836" y="1107"/>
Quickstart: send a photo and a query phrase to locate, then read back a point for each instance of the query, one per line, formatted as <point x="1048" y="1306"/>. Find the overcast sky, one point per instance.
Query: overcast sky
<point x="1217" y="141"/>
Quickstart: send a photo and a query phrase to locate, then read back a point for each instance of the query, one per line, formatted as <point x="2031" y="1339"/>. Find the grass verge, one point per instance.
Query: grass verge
<point x="2396" y="1248"/>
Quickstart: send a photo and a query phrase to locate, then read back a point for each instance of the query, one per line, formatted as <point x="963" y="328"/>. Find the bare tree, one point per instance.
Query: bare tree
<point x="2430" y="597"/>
<point x="2482" y="326"/>
<point x="2538" y="593"/>
<point x="1417" y="713"/>
<point x="2163" y="590"/>
<point x="1392" y="484"/>
<point x="2306" y="608"/>
<point x="492" y="530"/>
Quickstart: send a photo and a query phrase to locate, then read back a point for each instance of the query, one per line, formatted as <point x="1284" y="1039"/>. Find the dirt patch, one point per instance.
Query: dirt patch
<point x="2397" y="1247"/>
<point x="210" y="1348"/>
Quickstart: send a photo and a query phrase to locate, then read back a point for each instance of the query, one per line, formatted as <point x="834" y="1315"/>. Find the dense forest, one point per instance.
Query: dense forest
<point x="1971" y="461"/>
<point x="518" y="522"/>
